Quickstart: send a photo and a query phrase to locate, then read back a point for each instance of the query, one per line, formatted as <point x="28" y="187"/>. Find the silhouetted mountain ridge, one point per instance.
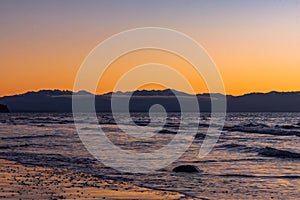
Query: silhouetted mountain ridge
<point x="50" y="93"/>
<point x="166" y="92"/>
<point x="142" y="100"/>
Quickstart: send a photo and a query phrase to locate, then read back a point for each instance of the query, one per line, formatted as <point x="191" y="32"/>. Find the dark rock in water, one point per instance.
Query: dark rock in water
<point x="186" y="169"/>
<point x="3" y="109"/>
<point x="272" y="152"/>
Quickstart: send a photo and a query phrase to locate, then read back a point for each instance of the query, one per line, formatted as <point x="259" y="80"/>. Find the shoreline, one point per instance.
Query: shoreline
<point x="23" y="182"/>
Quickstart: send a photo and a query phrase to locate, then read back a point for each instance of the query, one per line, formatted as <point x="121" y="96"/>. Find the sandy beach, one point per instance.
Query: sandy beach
<point x="23" y="182"/>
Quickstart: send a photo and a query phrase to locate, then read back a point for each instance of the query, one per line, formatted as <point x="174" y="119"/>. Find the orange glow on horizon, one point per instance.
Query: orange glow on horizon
<point x="244" y="67"/>
<point x="152" y="86"/>
<point x="255" y="44"/>
<point x="127" y="62"/>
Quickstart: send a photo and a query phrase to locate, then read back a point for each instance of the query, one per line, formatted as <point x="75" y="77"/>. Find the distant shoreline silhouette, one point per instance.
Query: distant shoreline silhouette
<point x="141" y="101"/>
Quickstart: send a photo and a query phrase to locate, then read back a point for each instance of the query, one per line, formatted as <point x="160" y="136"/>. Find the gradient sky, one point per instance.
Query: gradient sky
<point x="255" y="44"/>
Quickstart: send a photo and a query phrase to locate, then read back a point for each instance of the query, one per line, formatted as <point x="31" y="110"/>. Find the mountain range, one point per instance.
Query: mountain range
<point x="141" y="101"/>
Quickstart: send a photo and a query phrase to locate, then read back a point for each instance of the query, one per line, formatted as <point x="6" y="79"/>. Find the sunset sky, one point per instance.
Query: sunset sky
<point x="255" y="44"/>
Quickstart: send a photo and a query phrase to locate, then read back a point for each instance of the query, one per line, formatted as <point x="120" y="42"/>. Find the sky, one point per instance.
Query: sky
<point x="255" y="44"/>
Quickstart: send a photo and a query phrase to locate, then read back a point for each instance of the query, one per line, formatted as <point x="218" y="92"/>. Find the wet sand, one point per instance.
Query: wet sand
<point x="23" y="182"/>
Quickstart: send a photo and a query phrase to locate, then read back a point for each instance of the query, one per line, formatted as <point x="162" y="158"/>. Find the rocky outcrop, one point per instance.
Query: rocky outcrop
<point x="187" y="169"/>
<point x="3" y="109"/>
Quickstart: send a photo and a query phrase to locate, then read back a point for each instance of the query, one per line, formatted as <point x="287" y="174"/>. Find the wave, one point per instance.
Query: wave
<point x="142" y="123"/>
<point x="288" y="126"/>
<point x="36" y="120"/>
<point x="172" y="125"/>
<point x="112" y="122"/>
<point x="51" y="121"/>
<point x="28" y="137"/>
<point x="238" y="175"/>
<point x="266" y="151"/>
<point x="230" y="160"/>
<point x="165" y="131"/>
<point x="14" y="146"/>
<point x="255" y="125"/>
<point x="22" y="118"/>
<point x="255" y="176"/>
<point x="57" y="160"/>
<point x="239" y="147"/>
<point x="90" y="129"/>
<point x="272" y="152"/>
<point x="261" y="130"/>
<point x="31" y="146"/>
<point x="104" y="129"/>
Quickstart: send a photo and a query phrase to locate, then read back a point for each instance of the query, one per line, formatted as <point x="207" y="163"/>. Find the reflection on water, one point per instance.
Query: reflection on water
<point x="239" y="167"/>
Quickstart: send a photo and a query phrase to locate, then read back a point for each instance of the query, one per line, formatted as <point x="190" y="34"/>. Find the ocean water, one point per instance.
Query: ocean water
<point x="256" y="157"/>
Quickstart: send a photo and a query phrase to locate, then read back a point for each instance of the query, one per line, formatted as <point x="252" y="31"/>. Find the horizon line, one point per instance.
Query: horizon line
<point x="106" y="93"/>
